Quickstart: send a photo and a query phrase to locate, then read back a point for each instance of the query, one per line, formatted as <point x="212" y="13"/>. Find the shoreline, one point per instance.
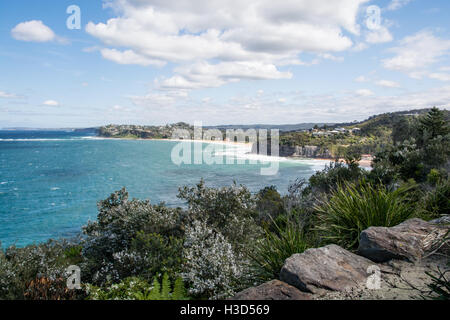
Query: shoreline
<point x="364" y="162"/>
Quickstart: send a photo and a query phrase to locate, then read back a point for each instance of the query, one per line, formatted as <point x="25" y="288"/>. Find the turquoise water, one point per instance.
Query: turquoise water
<point x="50" y="182"/>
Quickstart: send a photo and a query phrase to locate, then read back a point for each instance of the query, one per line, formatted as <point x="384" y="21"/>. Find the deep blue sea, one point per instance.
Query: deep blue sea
<point x="50" y="181"/>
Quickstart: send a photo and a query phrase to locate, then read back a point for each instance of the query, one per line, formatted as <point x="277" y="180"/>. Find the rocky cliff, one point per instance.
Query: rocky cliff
<point x="296" y="151"/>
<point x="390" y="263"/>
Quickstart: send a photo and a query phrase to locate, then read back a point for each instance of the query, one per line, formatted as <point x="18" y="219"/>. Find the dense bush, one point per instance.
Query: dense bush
<point x="427" y="148"/>
<point x="271" y="252"/>
<point x="334" y="174"/>
<point x="20" y="266"/>
<point x="117" y="244"/>
<point x="269" y="205"/>
<point x="212" y="268"/>
<point x="229" y="210"/>
<point x="135" y="288"/>
<point x="355" y="207"/>
<point x="436" y="202"/>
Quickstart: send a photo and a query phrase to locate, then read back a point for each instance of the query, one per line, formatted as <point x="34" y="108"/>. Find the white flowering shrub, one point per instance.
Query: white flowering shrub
<point x="229" y="210"/>
<point x="20" y="266"/>
<point x="127" y="289"/>
<point x="7" y="278"/>
<point x="115" y="244"/>
<point x="211" y="266"/>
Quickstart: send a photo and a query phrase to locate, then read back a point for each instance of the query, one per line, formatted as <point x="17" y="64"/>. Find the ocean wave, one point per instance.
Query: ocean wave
<point x="244" y="152"/>
<point x="49" y="139"/>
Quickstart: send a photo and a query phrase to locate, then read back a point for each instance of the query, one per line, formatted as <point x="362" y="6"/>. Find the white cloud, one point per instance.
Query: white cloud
<point x="361" y="79"/>
<point x="364" y="92"/>
<point x="298" y="107"/>
<point x="381" y="35"/>
<point x="7" y="95"/>
<point x="162" y="99"/>
<point x="397" y="4"/>
<point x="417" y="52"/>
<point x="129" y="57"/>
<point x="51" y="103"/>
<point x="205" y="75"/>
<point x="387" y="84"/>
<point x="331" y="57"/>
<point x="440" y="76"/>
<point x="361" y="46"/>
<point x="33" y="31"/>
<point x="252" y="39"/>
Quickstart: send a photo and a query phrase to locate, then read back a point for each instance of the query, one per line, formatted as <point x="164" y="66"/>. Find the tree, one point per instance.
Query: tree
<point x="404" y="129"/>
<point x="432" y="125"/>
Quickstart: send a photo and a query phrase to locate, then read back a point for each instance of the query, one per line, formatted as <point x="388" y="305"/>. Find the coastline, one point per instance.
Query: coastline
<point x="365" y="162"/>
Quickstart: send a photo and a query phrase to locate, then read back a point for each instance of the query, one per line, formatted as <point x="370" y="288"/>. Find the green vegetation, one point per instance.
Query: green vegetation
<point x="137" y="289"/>
<point x="143" y="132"/>
<point x="228" y="239"/>
<point x="271" y="252"/>
<point x="353" y="208"/>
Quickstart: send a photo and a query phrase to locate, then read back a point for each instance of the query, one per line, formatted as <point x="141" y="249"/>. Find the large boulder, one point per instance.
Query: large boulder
<point x="272" y="290"/>
<point x="410" y="240"/>
<point x="327" y="268"/>
<point x="445" y="219"/>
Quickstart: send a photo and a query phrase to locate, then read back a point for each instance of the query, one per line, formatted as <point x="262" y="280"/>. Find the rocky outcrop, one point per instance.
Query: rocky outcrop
<point x="410" y="240"/>
<point x="442" y="220"/>
<point x="272" y="290"/>
<point x="327" y="268"/>
<point x="332" y="272"/>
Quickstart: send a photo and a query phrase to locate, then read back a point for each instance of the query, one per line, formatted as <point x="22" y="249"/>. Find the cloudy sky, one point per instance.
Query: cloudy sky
<point x="220" y="61"/>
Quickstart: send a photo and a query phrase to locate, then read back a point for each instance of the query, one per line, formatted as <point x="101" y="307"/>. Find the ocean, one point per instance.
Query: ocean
<point x="50" y="181"/>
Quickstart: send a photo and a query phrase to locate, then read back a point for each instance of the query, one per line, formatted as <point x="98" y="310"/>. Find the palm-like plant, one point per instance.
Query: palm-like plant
<point x="353" y="208"/>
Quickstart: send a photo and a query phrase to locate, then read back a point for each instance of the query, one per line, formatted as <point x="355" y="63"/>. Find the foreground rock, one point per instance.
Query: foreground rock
<point x="442" y="220"/>
<point x="403" y="281"/>
<point x="272" y="290"/>
<point x="410" y="240"/>
<point x="327" y="268"/>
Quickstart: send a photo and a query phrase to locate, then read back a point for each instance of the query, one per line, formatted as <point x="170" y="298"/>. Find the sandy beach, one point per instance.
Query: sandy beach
<point x="365" y="161"/>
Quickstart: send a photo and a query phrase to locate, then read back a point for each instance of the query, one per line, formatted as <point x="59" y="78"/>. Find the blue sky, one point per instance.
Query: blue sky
<point x="220" y="62"/>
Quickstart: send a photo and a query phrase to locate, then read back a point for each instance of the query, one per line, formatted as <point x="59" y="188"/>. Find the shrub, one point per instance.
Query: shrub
<point x="269" y="205"/>
<point x="274" y="249"/>
<point x="229" y="210"/>
<point x="334" y="174"/>
<point x="135" y="288"/>
<point x="127" y="289"/>
<point x="211" y="268"/>
<point x="20" y="266"/>
<point x="43" y="288"/>
<point x="436" y="202"/>
<point x="353" y="208"/>
<point x="118" y="243"/>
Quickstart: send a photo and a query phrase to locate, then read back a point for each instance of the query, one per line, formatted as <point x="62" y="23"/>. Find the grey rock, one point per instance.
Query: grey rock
<point x="327" y="268"/>
<point x="410" y="240"/>
<point x="445" y="219"/>
<point x="272" y="290"/>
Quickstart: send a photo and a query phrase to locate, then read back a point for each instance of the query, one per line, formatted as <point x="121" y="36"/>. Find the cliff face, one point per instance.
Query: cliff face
<point x="298" y="151"/>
